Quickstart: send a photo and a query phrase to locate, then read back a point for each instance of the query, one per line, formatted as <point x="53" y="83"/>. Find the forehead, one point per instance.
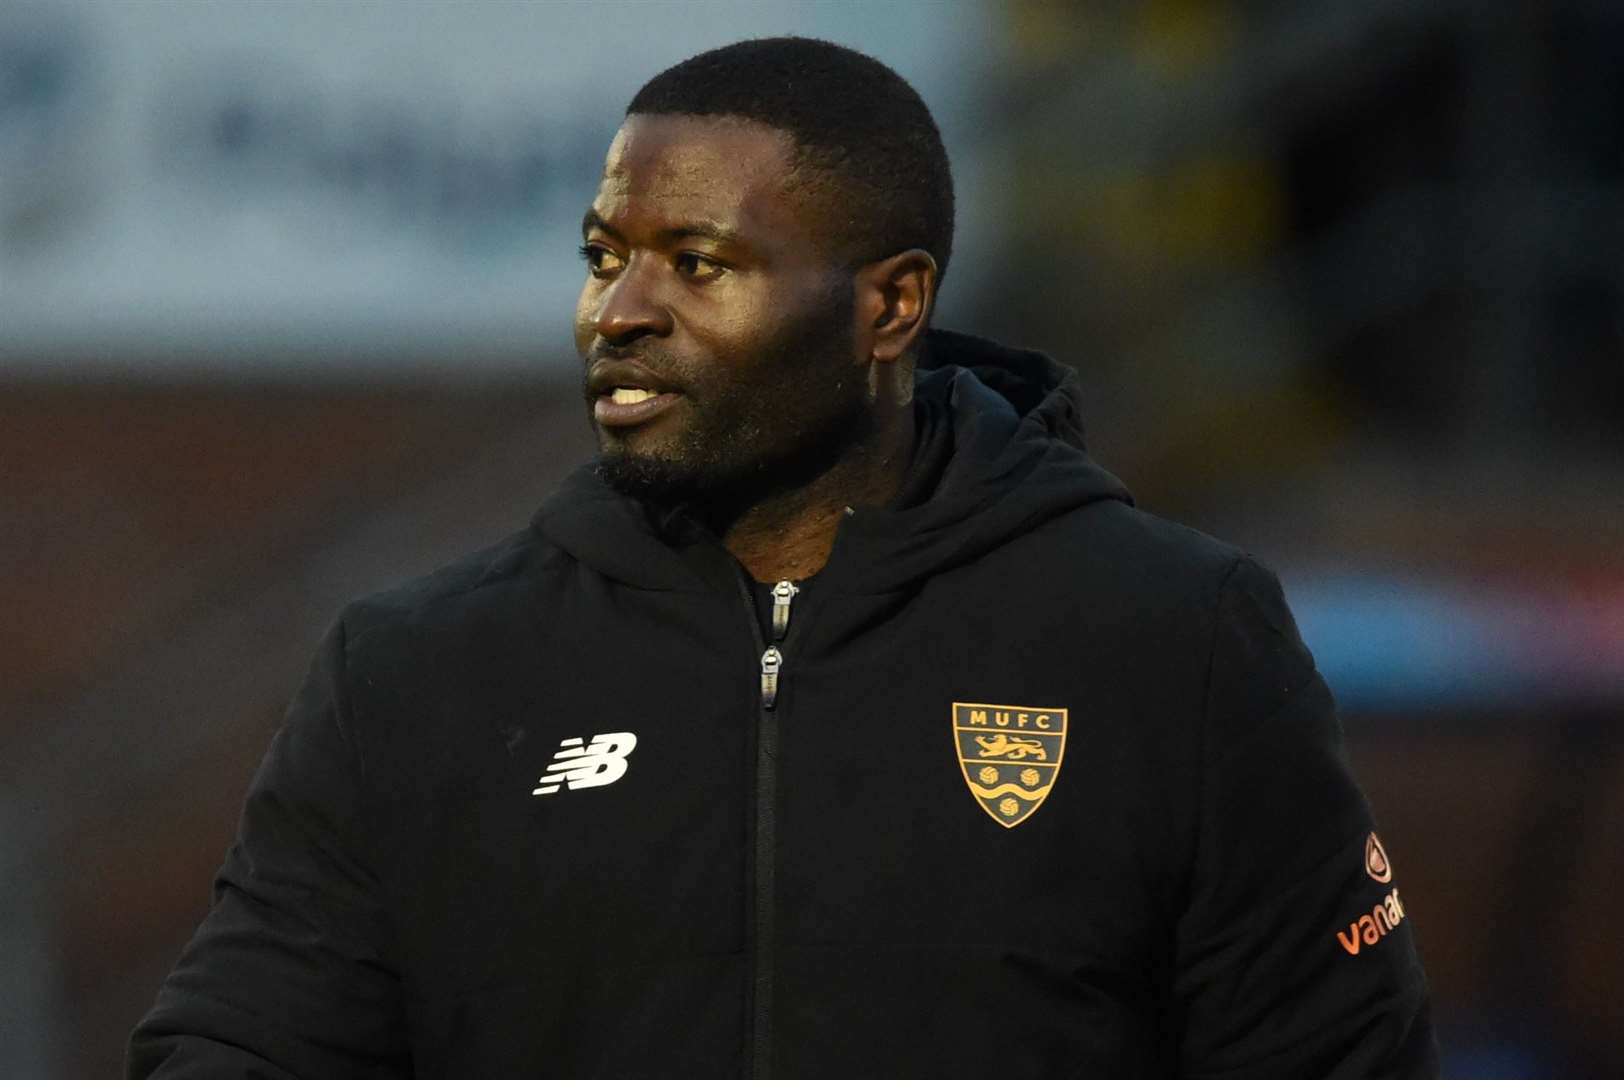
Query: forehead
<point x="665" y="172"/>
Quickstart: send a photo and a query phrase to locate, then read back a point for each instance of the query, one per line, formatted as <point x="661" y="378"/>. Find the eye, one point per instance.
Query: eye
<point x="600" y="261"/>
<point x="697" y="267"/>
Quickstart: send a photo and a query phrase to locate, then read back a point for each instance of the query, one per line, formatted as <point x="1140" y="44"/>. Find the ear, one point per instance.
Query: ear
<point x="894" y="298"/>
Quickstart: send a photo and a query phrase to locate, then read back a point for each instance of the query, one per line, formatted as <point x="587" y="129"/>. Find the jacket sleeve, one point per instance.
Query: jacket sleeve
<point x="1294" y="954"/>
<point x="288" y="974"/>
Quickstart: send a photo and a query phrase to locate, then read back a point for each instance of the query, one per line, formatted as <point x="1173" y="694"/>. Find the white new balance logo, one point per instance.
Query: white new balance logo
<point x="600" y="762"/>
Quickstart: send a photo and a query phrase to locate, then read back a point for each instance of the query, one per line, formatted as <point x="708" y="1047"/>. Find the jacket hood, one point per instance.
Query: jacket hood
<point x="1018" y="460"/>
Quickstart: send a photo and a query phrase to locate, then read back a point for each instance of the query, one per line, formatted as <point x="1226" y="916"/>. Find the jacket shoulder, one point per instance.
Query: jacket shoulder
<point x="1168" y="601"/>
<point x="491" y="576"/>
<point x="1150" y="554"/>
<point x="1159" y="534"/>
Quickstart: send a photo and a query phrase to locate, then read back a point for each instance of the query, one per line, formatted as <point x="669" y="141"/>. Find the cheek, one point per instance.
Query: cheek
<point x="743" y="315"/>
<point x="724" y="323"/>
<point x="586" y="317"/>
<point x="762" y="319"/>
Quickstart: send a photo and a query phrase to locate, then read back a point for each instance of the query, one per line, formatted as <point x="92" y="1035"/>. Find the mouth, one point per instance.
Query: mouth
<point x="628" y="406"/>
<point x="625" y="394"/>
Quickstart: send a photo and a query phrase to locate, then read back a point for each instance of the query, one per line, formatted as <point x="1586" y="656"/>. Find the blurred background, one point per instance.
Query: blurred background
<point x="284" y="303"/>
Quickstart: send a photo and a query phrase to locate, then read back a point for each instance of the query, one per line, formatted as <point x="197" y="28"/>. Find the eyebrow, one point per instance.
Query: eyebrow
<point x="591" y="220"/>
<point x="707" y="230"/>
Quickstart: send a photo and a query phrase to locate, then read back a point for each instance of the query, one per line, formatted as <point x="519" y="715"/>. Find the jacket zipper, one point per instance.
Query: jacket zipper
<point x="784" y="594"/>
<point x="772" y="663"/>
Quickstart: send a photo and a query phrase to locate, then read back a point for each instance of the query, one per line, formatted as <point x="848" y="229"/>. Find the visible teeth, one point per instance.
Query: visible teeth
<point x="629" y="395"/>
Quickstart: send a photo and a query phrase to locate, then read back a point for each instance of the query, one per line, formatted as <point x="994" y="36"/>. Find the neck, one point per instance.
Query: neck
<point x="789" y="535"/>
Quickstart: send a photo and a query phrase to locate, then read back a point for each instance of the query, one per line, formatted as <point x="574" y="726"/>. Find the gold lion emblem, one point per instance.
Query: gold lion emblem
<point x="1012" y="748"/>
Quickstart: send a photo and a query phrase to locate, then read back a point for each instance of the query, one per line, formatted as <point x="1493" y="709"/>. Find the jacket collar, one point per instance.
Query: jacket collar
<point x="1018" y="460"/>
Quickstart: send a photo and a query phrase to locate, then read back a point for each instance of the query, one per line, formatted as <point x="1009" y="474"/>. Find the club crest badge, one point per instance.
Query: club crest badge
<point x="1010" y="756"/>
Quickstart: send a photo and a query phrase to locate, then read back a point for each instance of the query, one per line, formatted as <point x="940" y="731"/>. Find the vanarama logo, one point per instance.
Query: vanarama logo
<point x="1376" y="861"/>
<point x="1369" y="929"/>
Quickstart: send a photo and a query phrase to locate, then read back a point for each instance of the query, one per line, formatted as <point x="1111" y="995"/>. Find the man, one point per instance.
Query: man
<point x="843" y="719"/>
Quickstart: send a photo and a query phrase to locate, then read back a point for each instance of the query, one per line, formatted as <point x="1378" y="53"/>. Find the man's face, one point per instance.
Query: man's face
<point x="716" y="329"/>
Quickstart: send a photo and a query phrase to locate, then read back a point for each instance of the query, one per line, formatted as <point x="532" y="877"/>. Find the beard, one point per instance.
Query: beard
<point x="758" y="424"/>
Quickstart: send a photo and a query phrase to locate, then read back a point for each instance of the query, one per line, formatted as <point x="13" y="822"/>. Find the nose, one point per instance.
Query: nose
<point x="629" y="308"/>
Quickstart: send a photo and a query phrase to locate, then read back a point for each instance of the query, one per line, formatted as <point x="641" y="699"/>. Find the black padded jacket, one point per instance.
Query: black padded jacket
<point x="1025" y="783"/>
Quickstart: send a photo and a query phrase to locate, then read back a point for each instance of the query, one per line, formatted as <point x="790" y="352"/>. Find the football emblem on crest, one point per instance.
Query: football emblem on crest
<point x="1009" y="755"/>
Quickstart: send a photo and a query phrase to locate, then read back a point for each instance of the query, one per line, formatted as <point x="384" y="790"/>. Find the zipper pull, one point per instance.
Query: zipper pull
<point x="783" y="594"/>
<point x="771" y="661"/>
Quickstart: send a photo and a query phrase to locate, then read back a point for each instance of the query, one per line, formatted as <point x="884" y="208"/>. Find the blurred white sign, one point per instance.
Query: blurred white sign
<point x="259" y="183"/>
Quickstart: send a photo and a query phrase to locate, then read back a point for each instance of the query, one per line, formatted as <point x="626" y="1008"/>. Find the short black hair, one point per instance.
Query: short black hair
<point x="851" y="118"/>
